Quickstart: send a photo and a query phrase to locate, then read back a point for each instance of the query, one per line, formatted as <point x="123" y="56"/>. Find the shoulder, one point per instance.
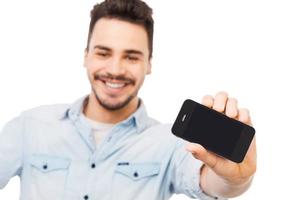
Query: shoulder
<point x="46" y="112"/>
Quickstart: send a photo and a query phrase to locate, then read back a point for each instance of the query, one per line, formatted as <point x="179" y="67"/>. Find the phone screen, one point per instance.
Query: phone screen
<point x="213" y="130"/>
<point x="210" y="126"/>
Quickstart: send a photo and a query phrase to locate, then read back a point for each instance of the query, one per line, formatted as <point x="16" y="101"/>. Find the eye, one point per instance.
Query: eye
<point x="102" y="54"/>
<point x="132" y="58"/>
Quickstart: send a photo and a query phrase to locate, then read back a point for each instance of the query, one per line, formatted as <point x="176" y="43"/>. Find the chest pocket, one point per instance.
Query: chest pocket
<point x="45" y="163"/>
<point x="48" y="176"/>
<point x="137" y="171"/>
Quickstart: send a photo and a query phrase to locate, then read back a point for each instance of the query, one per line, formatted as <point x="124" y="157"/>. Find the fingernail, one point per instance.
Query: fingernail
<point x="189" y="148"/>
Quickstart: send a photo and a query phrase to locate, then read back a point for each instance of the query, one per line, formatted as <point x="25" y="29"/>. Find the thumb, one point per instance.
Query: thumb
<point x="200" y="153"/>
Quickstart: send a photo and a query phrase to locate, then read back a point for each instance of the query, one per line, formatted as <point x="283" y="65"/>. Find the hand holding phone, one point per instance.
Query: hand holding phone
<point x="224" y="136"/>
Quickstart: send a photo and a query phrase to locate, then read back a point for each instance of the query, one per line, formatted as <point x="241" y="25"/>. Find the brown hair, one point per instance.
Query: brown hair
<point x="133" y="11"/>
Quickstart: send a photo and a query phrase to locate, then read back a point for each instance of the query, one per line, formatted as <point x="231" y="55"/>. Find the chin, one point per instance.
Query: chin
<point x="114" y="103"/>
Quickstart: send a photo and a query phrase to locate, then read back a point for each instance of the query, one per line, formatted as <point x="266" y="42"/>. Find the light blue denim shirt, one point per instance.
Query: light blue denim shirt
<point x="52" y="150"/>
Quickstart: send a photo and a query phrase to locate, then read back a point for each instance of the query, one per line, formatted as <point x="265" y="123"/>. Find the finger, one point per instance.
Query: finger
<point x="208" y="101"/>
<point x="244" y="116"/>
<point x="251" y="153"/>
<point x="200" y="153"/>
<point x="231" y="109"/>
<point x="220" y="101"/>
<point x="250" y="160"/>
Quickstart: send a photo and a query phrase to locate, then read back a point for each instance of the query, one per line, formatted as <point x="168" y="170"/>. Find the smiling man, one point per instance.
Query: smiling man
<point x="104" y="145"/>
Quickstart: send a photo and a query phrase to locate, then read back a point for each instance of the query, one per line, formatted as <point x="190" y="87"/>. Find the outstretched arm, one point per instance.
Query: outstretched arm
<point x="221" y="177"/>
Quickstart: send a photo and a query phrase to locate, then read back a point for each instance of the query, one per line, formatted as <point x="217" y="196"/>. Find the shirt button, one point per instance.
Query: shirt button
<point x="86" y="197"/>
<point x="135" y="174"/>
<point x="93" y="165"/>
<point x="45" y="166"/>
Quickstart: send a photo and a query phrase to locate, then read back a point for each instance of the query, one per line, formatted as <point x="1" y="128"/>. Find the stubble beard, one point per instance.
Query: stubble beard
<point x="113" y="107"/>
<point x="117" y="106"/>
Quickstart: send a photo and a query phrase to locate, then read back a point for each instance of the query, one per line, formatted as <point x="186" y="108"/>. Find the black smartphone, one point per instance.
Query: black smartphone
<point x="213" y="130"/>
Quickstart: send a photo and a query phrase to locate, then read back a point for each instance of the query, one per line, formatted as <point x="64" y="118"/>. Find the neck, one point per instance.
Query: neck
<point x="93" y="110"/>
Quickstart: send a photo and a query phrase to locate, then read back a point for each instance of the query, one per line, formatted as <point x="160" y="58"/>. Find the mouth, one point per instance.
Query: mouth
<point x="114" y="85"/>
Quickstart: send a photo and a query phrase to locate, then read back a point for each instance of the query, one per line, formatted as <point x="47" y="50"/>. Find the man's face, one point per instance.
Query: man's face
<point x="117" y="62"/>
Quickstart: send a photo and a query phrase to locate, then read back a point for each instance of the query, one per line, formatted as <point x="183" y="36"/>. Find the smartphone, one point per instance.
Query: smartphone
<point x="218" y="133"/>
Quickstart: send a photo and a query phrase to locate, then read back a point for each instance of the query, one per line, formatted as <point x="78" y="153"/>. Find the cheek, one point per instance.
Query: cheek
<point x="93" y="66"/>
<point x="139" y="75"/>
<point x="90" y="75"/>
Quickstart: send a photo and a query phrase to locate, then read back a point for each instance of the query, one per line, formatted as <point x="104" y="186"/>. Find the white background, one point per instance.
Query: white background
<point x="248" y="48"/>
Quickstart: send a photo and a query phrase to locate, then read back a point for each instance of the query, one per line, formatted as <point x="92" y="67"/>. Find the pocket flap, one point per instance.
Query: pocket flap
<point x="137" y="171"/>
<point x="46" y="163"/>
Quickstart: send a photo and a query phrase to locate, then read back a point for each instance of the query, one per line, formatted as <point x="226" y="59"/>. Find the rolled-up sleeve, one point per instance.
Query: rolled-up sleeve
<point x="11" y="150"/>
<point x="186" y="173"/>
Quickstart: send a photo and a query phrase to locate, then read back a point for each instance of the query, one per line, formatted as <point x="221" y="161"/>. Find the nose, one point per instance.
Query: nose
<point x="116" y="67"/>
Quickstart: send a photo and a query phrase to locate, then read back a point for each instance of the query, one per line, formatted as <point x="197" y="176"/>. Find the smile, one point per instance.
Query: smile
<point x="115" y="85"/>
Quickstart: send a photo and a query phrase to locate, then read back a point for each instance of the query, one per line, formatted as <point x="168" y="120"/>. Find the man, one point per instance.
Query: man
<point x="104" y="146"/>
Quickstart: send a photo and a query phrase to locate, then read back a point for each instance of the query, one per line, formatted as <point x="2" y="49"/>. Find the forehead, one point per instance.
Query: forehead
<point x="119" y="35"/>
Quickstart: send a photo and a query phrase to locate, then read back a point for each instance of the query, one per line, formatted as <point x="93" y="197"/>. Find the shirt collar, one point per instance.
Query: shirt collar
<point x="139" y="117"/>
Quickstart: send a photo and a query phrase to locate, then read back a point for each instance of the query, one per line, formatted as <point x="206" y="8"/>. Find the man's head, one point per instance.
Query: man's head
<point x="119" y="51"/>
<point x="134" y="11"/>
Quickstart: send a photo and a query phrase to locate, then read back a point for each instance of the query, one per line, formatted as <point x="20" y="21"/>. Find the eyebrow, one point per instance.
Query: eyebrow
<point x="102" y="47"/>
<point x="128" y="51"/>
<point x="132" y="51"/>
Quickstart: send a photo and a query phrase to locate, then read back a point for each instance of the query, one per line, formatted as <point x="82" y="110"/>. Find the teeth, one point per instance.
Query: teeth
<point x="115" y="85"/>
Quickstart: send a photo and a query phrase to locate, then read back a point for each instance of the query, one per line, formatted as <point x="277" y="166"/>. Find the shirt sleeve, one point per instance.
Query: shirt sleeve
<point x="186" y="173"/>
<point x="10" y="151"/>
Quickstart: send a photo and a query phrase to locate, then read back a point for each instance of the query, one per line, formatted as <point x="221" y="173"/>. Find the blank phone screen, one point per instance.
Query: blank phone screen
<point x="213" y="130"/>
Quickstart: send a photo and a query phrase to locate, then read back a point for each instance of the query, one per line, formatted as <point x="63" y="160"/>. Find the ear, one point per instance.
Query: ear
<point x="149" y="67"/>
<point x="85" y="57"/>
